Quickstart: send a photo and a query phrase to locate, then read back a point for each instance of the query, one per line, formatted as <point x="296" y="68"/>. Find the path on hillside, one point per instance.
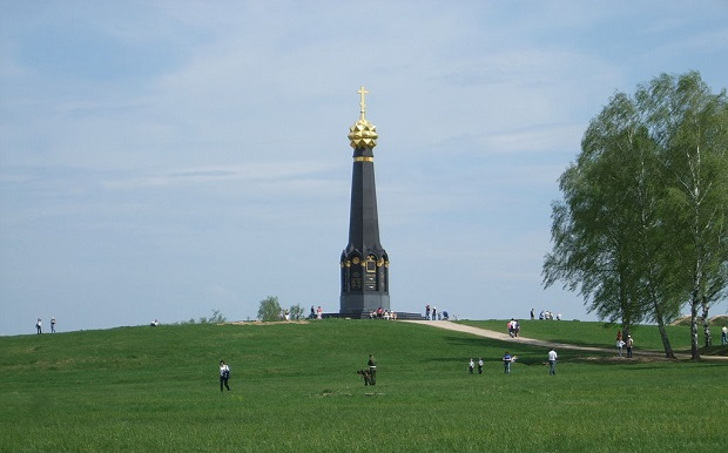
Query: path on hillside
<point x="478" y="331"/>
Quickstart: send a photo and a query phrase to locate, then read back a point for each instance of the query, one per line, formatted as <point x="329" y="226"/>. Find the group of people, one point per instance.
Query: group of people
<point x="621" y="344"/>
<point x="39" y="325"/>
<point x="471" y="366"/>
<point x="431" y="314"/>
<point x="545" y="314"/>
<point x="317" y="313"/>
<point x="380" y="313"/>
<point x="509" y="359"/>
<point x="514" y="328"/>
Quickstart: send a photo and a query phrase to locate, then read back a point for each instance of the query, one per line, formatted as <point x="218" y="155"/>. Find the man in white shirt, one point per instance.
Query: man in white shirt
<point x="552" y="361"/>
<point x="224" y="375"/>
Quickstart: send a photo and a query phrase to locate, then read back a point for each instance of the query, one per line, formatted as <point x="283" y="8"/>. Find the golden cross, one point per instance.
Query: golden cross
<point x="362" y="92"/>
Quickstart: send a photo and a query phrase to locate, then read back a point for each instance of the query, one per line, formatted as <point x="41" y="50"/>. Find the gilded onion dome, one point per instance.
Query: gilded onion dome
<point x="363" y="134"/>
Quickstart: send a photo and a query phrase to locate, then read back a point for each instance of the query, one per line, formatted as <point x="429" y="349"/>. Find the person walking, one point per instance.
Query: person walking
<point x="620" y="345"/>
<point x="724" y="335"/>
<point x="53" y="324"/>
<point x="630" y="345"/>
<point x="224" y="375"/>
<point x="507" y="360"/>
<point x="372" y="368"/>
<point x="552" y="362"/>
<point x="471" y="366"/>
<point x="480" y="366"/>
<point x="38" y="327"/>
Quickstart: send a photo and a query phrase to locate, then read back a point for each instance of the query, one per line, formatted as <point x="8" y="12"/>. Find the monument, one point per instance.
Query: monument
<point x="364" y="262"/>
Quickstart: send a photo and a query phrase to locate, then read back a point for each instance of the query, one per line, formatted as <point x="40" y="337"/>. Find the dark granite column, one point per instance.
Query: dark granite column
<point x="364" y="262"/>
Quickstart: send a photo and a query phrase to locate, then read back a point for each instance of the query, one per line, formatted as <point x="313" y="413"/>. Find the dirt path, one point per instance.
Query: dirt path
<point x="546" y="344"/>
<point x="480" y="332"/>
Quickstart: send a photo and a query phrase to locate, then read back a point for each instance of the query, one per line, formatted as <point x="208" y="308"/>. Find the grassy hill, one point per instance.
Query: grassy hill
<point x="294" y="388"/>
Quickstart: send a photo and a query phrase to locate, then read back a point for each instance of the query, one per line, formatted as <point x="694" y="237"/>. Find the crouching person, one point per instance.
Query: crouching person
<point x="367" y="377"/>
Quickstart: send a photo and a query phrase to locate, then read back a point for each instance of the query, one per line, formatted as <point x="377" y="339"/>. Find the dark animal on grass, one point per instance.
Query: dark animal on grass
<point x="367" y="377"/>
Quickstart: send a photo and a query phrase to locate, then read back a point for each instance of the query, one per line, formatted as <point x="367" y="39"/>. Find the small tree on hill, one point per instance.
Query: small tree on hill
<point x="269" y="309"/>
<point x="297" y="311"/>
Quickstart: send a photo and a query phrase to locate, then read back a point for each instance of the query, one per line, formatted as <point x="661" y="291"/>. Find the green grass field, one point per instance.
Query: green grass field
<point x="294" y="388"/>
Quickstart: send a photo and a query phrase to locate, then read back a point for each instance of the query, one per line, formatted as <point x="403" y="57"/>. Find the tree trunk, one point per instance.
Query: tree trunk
<point x="663" y="331"/>
<point x="665" y="341"/>
<point x="706" y="326"/>
<point x="694" y="349"/>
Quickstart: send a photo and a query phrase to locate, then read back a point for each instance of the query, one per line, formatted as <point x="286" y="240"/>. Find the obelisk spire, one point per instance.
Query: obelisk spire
<point x="364" y="262"/>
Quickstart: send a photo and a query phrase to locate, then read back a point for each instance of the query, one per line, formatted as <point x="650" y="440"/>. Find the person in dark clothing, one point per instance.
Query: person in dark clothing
<point x="372" y="369"/>
<point x="367" y="377"/>
<point x="224" y="375"/>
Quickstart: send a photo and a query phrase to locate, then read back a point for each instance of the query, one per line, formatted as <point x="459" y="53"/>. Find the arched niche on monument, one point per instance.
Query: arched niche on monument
<point x="356" y="277"/>
<point x="369" y="265"/>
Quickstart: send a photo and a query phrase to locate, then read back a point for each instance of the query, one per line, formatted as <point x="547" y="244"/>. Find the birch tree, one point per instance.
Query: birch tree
<point x="690" y="126"/>
<point x="641" y="230"/>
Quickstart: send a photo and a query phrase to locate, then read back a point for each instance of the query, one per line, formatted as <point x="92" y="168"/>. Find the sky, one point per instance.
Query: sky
<point x="164" y="159"/>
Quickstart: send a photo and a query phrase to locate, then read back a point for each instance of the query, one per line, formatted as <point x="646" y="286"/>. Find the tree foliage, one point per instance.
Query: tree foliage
<point x="216" y="318"/>
<point x="642" y="226"/>
<point x="297" y="312"/>
<point x="269" y="309"/>
<point x="690" y="125"/>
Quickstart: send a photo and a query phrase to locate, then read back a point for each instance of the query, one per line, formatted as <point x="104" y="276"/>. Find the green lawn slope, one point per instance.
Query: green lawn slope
<point x="294" y="388"/>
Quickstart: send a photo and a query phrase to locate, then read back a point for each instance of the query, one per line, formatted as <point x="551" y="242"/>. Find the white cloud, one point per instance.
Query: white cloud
<point x="253" y="172"/>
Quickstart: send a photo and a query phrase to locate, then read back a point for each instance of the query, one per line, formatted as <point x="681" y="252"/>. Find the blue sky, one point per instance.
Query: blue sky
<point x="164" y="159"/>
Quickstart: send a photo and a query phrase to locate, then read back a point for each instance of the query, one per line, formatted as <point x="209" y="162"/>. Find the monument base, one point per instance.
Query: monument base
<point x="356" y="305"/>
<point x="401" y="316"/>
